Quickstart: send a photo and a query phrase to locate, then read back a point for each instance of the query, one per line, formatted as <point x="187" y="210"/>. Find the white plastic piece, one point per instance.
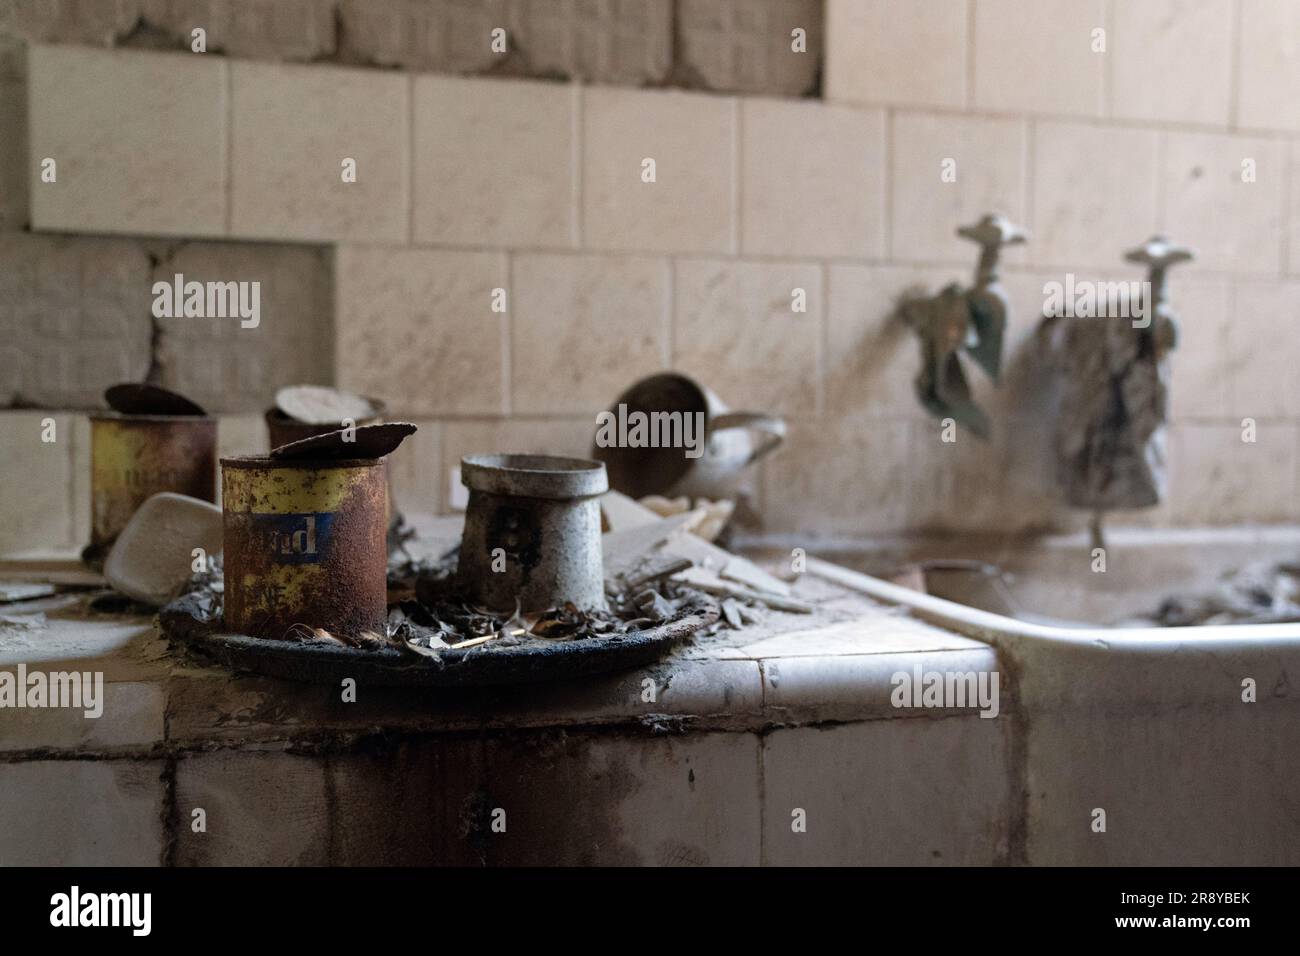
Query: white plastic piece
<point x="154" y="555"/>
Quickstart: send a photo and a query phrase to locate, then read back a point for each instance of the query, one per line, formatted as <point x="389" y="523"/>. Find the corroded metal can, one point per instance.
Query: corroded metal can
<point x="283" y="430"/>
<point x="304" y="545"/>
<point x="532" y="531"/>
<point x="133" y="457"/>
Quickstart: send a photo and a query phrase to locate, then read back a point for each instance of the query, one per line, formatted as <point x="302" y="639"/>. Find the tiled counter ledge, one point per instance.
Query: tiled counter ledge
<point x="775" y="744"/>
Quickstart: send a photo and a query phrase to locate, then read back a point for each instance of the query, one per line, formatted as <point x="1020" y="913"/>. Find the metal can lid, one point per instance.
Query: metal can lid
<point x="534" y="476"/>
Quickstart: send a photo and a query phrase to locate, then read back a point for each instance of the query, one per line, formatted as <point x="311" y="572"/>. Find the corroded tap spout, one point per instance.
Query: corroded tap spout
<point x="987" y="303"/>
<point x="972" y="320"/>
<point x="993" y="230"/>
<point x="1159" y="253"/>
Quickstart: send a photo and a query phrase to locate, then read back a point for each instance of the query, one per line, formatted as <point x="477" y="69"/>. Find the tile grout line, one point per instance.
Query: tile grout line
<point x="737" y="187"/>
<point x="577" y="114"/>
<point x="890" y="139"/>
<point x="1234" y="67"/>
<point x="72" y="483"/>
<point x="971" y="17"/>
<point x="508" y="338"/>
<point x="1290" y="218"/>
<point x="1107" y="268"/>
<point x="410" y="159"/>
<point x="821" y="399"/>
<point x="1106" y="81"/>
<point x="228" y="90"/>
<point x="1231" y="378"/>
<point x="1028" y="167"/>
<point x="1162" y="156"/>
<point x="1086" y="119"/>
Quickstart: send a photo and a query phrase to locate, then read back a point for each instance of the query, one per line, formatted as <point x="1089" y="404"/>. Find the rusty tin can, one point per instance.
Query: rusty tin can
<point x="532" y="531"/>
<point x="304" y="545"/>
<point x="282" y="430"/>
<point x="133" y="457"/>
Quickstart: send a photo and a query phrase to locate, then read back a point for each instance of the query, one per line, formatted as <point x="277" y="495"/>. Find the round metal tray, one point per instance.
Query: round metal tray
<point x="183" y="621"/>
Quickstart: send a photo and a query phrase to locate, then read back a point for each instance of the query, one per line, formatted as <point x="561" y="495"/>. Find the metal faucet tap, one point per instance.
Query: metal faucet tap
<point x="956" y="319"/>
<point x="1158" y="254"/>
<point x="986" y="301"/>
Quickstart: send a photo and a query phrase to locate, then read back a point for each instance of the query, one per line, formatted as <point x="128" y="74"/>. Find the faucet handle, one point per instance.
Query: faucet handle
<point x="1158" y="254"/>
<point x="993" y="230"/>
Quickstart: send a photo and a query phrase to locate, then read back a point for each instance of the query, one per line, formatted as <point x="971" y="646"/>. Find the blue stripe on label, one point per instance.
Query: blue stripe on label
<point x="293" y="538"/>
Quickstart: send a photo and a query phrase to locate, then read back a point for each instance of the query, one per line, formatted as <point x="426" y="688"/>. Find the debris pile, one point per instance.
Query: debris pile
<point x="1257" y="594"/>
<point x="431" y="611"/>
<point x="662" y="583"/>
<point x="657" y="571"/>
<point x="655" y="563"/>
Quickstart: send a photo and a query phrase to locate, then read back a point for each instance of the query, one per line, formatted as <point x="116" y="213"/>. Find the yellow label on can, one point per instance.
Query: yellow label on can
<point x="289" y="491"/>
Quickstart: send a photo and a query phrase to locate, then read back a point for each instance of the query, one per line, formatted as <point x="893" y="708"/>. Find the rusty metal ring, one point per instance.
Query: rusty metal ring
<point x="183" y="622"/>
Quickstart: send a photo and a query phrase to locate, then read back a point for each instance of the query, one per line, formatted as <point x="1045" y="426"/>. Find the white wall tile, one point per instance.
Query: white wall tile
<point x="494" y="162"/>
<point x="990" y="157"/>
<point x="872" y="359"/>
<point x="734" y="327"/>
<point x="139" y="141"/>
<point x="415" y="328"/>
<point x="840" y="478"/>
<point x="812" y="180"/>
<point x="691" y="800"/>
<point x="881" y="51"/>
<point x="264" y="809"/>
<point x="1143" y="764"/>
<point x="242" y="435"/>
<point x="1263" y="349"/>
<point x="1215" y="478"/>
<point x="131" y="719"/>
<point x="790" y="181"/>
<point x="1038" y="57"/>
<point x="37" y="478"/>
<point x="1094" y="193"/>
<point x="74" y="317"/>
<point x="1007" y="481"/>
<point x="1171" y="60"/>
<point x="1293" y="187"/>
<point x="1232" y="225"/>
<point x="293" y="126"/>
<point x="415" y="471"/>
<point x="1269" y="65"/>
<point x="83" y="813"/>
<point x="225" y="367"/>
<point x="584" y="328"/>
<point x="1201" y="364"/>
<point x="691" y="138"/>
<point x="894" y="793"/>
